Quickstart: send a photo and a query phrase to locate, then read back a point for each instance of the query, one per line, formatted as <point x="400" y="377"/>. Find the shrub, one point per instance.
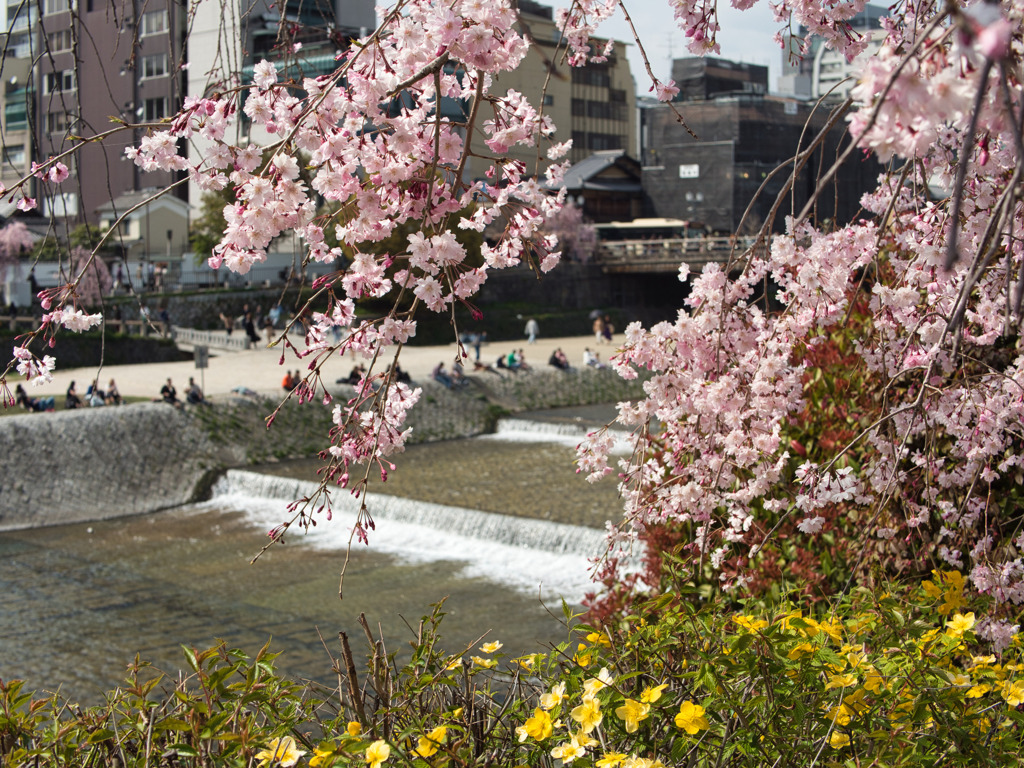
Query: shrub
<point x="890" y="679"/>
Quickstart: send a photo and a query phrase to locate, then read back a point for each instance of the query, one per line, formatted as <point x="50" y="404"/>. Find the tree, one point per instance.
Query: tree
<point x="15" y="242"/>
<point x="931" y="476"/>
<point x="577" y="237"/>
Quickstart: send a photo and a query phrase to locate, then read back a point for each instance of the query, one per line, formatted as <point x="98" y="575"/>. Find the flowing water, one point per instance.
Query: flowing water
<point x="80" y="601"/>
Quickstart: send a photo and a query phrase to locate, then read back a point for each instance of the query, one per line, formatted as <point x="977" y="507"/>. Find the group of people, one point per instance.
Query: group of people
<point x="514" y="361"/>
<point x="603" y="329"/>
<point x="94" y="396"/>
<point x="454" y="379"/>
<point x="559" y="360"/>
<point x="290" y="381"/>
<point x="253" y="321"/>
<point x="193" y="394"/>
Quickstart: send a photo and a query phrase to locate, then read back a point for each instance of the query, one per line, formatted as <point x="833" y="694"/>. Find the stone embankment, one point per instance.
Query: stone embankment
<point x="93" y="464"/>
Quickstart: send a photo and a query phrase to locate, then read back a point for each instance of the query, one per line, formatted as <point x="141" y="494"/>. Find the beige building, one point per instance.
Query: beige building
<point x="592" y="105"/>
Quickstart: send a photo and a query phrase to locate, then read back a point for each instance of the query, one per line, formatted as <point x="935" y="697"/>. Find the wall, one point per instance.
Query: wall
<point x="92" y="464"/>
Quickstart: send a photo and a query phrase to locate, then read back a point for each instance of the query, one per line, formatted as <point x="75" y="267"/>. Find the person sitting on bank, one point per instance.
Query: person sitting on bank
<point x="289" y="382"/>
<point x="32" y="403"/>
<point x="440" y="375"/>
<point x="169" y="394"/>
<point x="194" y="395"/>
<point x="113" y="396"/>
<point x="95" y="396"/>
<point x="354" y="376"/>
<point x="71" y="398"/>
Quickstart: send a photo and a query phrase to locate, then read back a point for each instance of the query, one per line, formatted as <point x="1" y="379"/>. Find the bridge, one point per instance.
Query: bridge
<point x="648" y="256"/>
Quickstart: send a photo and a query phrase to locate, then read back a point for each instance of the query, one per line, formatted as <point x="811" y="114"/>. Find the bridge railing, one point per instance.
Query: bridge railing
<point x="667" y="255"/>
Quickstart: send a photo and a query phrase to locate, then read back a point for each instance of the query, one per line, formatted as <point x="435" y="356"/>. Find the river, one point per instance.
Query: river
<point x="80" y="601"/>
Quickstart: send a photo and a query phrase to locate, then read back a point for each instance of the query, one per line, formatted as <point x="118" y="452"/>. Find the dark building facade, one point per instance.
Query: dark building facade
<point x="703" y="78"/>
<point x="711" y="180"/>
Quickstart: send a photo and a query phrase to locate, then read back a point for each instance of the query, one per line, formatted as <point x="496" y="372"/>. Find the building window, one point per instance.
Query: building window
<point x="591" y="76"/>
<point x="153" y="23"/>
<point x="59" y="41"/>
<point x="549" y="100"/>
<point x="155" y="109"/>
<point x="56" y="6"/>
<point x="16" y="110"/>
<point x="58" y="122"/>
<point x="155" y="65"/>
<point x="59" y="82"/>
<point x="14" y="154"/>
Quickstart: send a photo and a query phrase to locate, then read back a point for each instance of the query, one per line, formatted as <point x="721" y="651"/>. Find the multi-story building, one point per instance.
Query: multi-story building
<point x="703" y="77"/>
<point x="716" y="179"/>
<point x="592" y="105"/>
<point x="227" y="39"/>
<point x="72" y="66"/>
<point x="823" y="72"/>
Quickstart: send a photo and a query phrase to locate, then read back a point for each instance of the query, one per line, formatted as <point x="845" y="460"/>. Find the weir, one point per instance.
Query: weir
<point x="527" y="533"/>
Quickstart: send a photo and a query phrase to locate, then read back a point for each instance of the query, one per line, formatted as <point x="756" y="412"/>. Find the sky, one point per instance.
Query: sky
<point x="745" y="36"/>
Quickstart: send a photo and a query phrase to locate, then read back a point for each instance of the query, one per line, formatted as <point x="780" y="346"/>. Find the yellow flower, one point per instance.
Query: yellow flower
<point x="491" y="647"/>
<point x="610" y="760"/>
<point x="840" y="715"/>
<point x="873" y="681"/>
<point x="280" y="752"/>
<point x="377" y="753"/>
<point x="833" y="629"/>
<point x="484" y="663"/>
<point x="354" y="728"/>
<point x="691" y="717"/>
<point x="538" y="727"/>
<point x="959" y="680"/>
<point x="595" y="684"/>
<point x="598" y="638"/>
<point x="588" y="714"/>
<point x="977" y="691"/>
<point x="961" y="623"/>
<point x="632" y="712"/>
<point x="575" y="747"/>
<point x="749" y="623"/>
<point x="800" y="651"/>
<point x="651" y="695"/>
<point x="322" y="755"/>
<point x="841" y="681"/>
<point x="838" y="740"/>
<point x="553" y="699"/>
<point x="982" y="661"/>
<point x="428" y="744"/>
<point x="1013" y="694"/>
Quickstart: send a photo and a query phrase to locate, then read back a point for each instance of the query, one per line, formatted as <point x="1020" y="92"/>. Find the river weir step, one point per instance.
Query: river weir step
<point x="528" y="533"/>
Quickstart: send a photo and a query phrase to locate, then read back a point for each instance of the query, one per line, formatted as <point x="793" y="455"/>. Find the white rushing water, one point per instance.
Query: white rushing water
<point x="532" y="556"/>
<point x="524" y="431"/>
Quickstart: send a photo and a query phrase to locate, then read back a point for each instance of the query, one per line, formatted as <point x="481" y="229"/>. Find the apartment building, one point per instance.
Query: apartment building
<point x="71" y="69"/>
<point x="592" y="105"/>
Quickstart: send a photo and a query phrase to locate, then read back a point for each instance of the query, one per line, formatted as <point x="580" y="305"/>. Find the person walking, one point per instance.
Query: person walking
<point x="531" y="330"/>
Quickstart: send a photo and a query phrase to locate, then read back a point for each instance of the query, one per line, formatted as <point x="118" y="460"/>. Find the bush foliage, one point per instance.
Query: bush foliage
<point x="896" y="678"/>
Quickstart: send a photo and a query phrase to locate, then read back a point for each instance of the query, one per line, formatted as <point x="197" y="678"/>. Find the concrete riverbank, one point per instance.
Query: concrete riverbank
<point x="94" y="464"/>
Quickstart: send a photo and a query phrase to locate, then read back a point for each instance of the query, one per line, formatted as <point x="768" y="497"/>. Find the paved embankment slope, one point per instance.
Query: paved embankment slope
<point x="97" y="463"/>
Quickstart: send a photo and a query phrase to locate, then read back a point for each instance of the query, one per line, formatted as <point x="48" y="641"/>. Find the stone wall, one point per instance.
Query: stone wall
<point x="92" y="464"/>
<point x="96" y="463"/>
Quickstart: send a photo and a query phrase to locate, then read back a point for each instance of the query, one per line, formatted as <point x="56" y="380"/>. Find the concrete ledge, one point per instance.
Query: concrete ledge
<point x="97" y="463"/>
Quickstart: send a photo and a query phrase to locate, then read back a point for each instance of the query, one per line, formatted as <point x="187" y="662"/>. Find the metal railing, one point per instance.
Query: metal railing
<point x="667" y="255"/>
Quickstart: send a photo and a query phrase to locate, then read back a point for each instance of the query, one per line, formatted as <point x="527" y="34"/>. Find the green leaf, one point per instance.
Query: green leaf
<point x="190" y="657"/>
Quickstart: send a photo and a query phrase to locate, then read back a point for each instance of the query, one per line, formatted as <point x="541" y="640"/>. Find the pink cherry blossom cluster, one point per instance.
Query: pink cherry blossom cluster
<point x="944" y="449"/>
